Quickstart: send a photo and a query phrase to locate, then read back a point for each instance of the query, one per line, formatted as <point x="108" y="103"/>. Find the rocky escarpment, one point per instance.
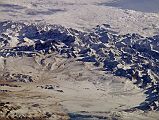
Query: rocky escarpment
<point x="132" y="56"/>
<point x="16" y="77"/>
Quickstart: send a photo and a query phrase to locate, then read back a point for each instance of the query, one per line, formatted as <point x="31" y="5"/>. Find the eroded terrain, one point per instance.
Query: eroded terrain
<point x="64" y="92"/>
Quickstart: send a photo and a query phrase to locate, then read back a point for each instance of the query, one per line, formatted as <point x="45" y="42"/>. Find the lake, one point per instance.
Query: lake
<point x="150" y="6"/>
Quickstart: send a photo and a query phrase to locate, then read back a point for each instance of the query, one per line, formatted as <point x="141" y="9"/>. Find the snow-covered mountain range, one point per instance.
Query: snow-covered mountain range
<point x="132" y="55"/>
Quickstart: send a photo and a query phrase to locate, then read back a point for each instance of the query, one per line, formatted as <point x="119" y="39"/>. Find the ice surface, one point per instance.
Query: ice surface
<point x="137" y="5"/>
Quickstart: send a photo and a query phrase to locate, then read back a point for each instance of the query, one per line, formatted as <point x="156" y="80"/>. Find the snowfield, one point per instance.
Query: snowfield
<point x="86" y="14"/>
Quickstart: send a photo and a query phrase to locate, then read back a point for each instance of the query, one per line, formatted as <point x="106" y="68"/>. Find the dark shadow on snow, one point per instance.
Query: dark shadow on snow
<point x="47" y="12"/>
<point x="11" y="6"/>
